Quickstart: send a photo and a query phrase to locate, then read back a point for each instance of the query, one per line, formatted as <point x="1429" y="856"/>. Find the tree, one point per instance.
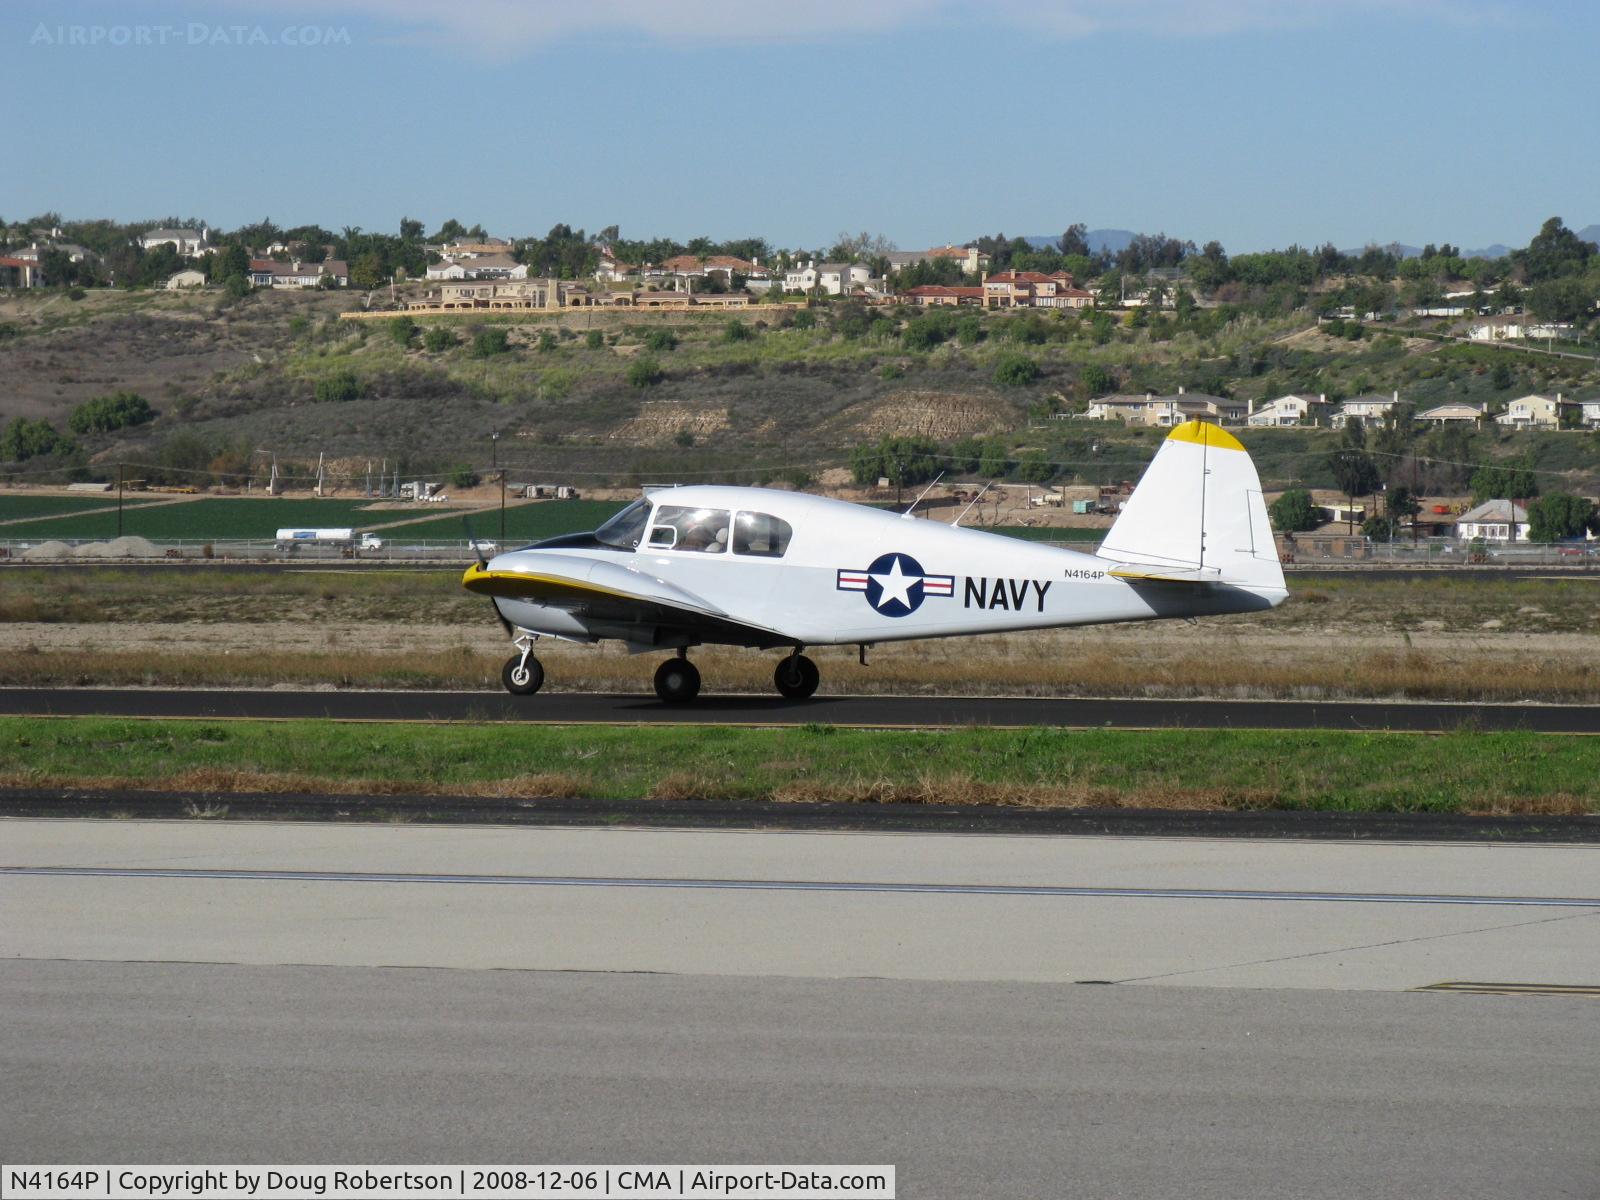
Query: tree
<point x="1074" y="241"/>
<point x="1400" y="504"/>
<point x="402" y="329"/>
<point x="1354" y="472"/>
<point x="1293" y="511"/>
<point x="1503" y="483"/>
<point x="1033" y="467"/>
<point x="1554" y="251"/>
<point x="1559" y="516"/>
<point x="410" y="231"/>
<point x="1378" y="529"/>
<point x="24" y="439"/>
<point x="463" y="477"/>
<point x="1096" y="380"/>
<point x="438" y="339"/>
<point x="994" y="461"/>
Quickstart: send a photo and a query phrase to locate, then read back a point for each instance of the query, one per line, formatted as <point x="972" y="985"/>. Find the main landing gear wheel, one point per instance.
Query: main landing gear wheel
<point x="677" y="681"/>
<point x="797" y="677"/>
<point x="522" y="675"/>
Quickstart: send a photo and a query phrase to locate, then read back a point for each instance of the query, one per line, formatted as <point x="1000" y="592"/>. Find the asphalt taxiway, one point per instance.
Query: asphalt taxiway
<point x="1009" y="1016"/>
<point x="886" y="712"/>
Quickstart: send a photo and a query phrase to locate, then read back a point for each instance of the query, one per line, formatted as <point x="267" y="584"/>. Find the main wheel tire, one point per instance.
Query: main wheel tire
<point x="522" y="677"/>
<point x="797" y="677"/>
<point x="677" y="681"/>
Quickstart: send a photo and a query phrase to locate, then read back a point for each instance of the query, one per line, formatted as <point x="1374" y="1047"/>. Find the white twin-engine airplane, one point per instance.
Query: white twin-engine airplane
<point x="738" y="566"/>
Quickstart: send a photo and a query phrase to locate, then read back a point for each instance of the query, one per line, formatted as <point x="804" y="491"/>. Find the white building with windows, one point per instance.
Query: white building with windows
<point x="187" y="242"/>
<point x="1365" y="409"/>
<point x="1455" y="412"/>
<point x="836" y="279"/>
<point x="1536" y="411"/>
<point x="1591" y="414"/>
<point x="1297" y="408"/>
<point x="1494" y="521"/>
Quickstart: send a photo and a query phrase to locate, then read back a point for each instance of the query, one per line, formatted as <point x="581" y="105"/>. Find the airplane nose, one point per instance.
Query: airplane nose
<point x="477" y="578"/>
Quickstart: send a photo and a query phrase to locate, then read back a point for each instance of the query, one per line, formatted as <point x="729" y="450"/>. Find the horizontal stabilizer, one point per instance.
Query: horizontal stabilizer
<point x="1135" y="574"/>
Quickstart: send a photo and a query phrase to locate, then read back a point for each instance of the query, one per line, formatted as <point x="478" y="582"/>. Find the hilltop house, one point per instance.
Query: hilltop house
<point x="935" y="295"/>
<point x="1032" y="289"/>
<point x="483" y="266"/>
<point x="1297" y="408"/>
<point x="274" y="273"/>
<point x="1591" y="413"/>
<point x="969" y="258"/>
<point x="1494" y="521"/>
<point x="1534" y="412"/>
<point x="1454" y="412"/>
<point x="833" y="278"/>
<point x="683" y="269"/>
<point x="19" y="273"/>
<point x="1162" y="412"/>
<point x="187" y="242"/>
<point x="1366" y="409"/>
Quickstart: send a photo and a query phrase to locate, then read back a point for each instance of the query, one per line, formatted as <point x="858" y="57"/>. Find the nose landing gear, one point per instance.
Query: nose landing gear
<point x="796" y="677"/>
<point x="523" y="674"/>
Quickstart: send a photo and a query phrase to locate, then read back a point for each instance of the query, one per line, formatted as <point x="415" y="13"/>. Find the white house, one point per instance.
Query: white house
<point x="274" y="273"/>
<point x="446" y="269"/>
<point x="1515" y="327"/>
<point x="1591" y="413"/>
<point x="1454" y="412"/>
<point x="186" y="279"/>
<point x="187" y="242"/>
<point x="484" y="266"/>
<point x="968" y="258"/>
<point x="833" y="278"/>
<point x="1534" y="412"/>
<point x="1494" y="521"/>
<point x="1365" y="409"/>
<point x="1162" y="412"/>
<point x="1297" y="408"/>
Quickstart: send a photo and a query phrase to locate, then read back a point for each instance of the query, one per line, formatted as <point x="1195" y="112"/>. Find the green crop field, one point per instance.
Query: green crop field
<point x="15" y="508"/>
<point x="207" y="520"/>
<point x="524" y="523"/>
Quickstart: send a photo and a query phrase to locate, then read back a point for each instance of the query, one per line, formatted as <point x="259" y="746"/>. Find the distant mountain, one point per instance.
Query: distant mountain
<point x="1109" y="241"/>
<point x="1498" y="250"/>
<point x="1591" y="234"/>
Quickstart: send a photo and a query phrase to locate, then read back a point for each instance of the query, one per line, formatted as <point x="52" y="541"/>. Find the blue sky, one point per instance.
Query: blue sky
<point x="1257" y="122"/>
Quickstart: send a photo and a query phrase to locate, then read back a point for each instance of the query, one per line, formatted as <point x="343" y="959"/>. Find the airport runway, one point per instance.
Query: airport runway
<point x="918" y="712"/>
<point x="197" y="992"/>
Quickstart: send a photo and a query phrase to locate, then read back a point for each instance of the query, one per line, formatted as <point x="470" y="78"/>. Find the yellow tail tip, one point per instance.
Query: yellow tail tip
<point x="1206" y="434"/>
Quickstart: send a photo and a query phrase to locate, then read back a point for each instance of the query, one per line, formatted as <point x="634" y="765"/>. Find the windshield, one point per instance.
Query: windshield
<point x="626" y="528"/>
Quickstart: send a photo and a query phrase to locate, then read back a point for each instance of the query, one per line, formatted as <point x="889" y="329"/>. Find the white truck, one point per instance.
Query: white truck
<point x="289" y="539"/>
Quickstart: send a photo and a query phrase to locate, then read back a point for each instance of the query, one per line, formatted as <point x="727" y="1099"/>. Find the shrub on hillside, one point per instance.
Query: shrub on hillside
<point x="402" y="329"/>
<point x="659" y="341"/>
<point x="338" y="387"/>
<point x="438" y="339"/>
<point x="490" y="342"/>
<point x="644" y="372"/>
<point x="106" y="413"/>
<point x="594" y="340"/>
<point x="1015" y="370"/>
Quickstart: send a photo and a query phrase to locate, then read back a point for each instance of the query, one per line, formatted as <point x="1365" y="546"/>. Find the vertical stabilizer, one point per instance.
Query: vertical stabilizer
<point x="1198" y="514"/>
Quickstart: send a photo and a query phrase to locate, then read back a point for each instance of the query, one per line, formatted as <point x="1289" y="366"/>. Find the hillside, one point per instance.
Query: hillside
<point x="277" y="373"/>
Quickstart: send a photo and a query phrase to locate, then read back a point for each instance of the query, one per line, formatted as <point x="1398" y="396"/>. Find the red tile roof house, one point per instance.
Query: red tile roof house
<point x="935" y="295"/>
<point x="1033" y="289"/>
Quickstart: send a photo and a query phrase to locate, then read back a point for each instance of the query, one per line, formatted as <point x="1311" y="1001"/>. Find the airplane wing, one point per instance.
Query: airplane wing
<point x="612" y="593"/>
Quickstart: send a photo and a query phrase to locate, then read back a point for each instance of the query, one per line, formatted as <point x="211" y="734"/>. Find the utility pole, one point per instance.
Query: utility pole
<point x="119" y="499"/>
<point x="502" y="509"/>
<point x="494" y="450"/>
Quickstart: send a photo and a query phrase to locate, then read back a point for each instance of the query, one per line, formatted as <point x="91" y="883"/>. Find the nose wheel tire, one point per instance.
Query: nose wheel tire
<point x="522" y="676"/>
<point x="797" y="677"/>
<point x="677" y="681"/>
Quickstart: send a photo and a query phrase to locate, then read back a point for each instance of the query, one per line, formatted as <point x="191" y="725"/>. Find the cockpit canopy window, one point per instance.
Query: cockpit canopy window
<point x="699" y="529"/>
<point x="761" y="535"/>
<point x="626" y="528"/>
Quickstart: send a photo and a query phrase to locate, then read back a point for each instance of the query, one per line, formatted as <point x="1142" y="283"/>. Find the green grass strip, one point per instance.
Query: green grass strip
<point x="1463" y="772"/>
